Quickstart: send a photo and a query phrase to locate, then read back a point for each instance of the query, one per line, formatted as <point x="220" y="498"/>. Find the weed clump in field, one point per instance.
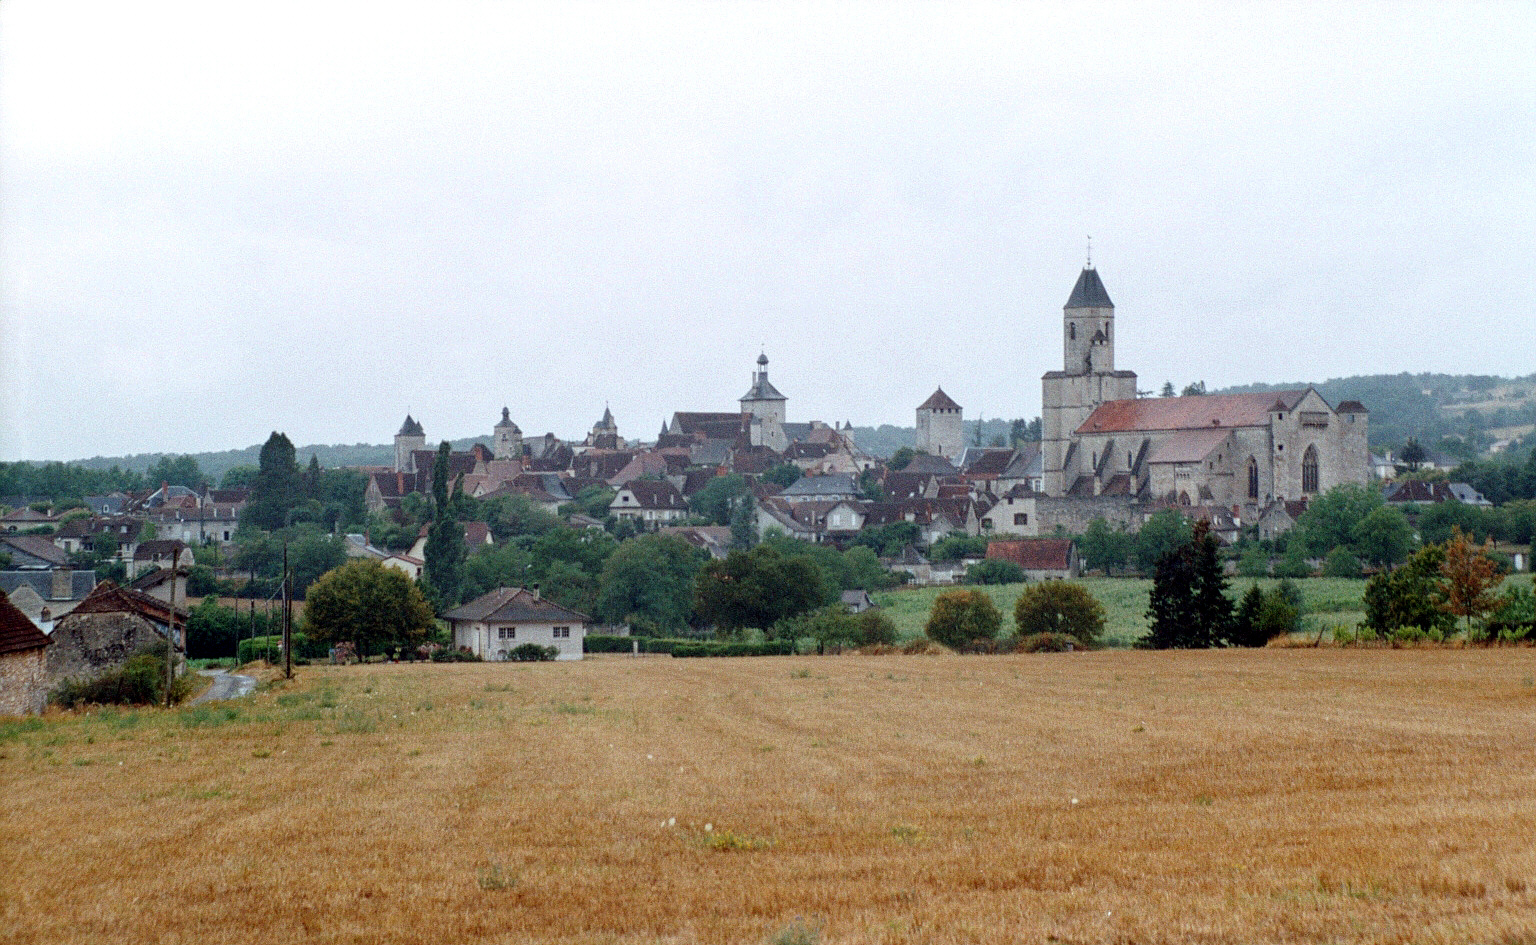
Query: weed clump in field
<point x="797" y="932"/>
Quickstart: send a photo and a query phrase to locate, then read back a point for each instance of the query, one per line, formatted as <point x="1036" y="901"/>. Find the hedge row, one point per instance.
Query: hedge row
<point x="255" y="648"/>
<point x="597" y="643"/>
<point x="771" y="648"/>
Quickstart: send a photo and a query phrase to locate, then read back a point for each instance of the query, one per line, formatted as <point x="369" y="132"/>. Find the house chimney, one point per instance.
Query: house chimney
<point x="45" y="621"/>
<point x="63" y="584"/>
<point x="536" y="592"/>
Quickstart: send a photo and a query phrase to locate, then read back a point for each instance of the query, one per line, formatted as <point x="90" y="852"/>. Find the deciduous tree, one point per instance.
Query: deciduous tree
<point x="369" y="605"/>
<point x="756" y="588"/>
<point x="1471" y="578"/>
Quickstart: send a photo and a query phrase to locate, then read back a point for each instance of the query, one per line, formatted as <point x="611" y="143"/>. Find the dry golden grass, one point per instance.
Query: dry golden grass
<point x="1237" y="796"/>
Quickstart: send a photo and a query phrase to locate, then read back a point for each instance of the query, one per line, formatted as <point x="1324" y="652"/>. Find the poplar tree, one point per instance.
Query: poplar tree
<point x="444" y="571"/>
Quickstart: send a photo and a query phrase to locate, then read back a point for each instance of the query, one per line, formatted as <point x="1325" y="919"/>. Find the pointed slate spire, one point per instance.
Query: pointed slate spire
<point x="1089" y="292"/>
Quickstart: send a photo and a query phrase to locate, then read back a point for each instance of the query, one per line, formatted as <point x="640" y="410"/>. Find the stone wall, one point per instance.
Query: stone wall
<point x="86" y="644"/>
<point x="1075" y="514"/>
<point x="24" y="681"/>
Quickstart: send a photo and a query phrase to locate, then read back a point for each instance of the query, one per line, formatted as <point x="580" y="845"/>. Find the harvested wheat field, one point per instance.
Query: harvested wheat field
<point x="1228" y="796"/>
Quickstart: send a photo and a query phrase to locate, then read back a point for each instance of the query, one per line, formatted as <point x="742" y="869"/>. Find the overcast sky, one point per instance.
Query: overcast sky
<point x="217" y="221"/>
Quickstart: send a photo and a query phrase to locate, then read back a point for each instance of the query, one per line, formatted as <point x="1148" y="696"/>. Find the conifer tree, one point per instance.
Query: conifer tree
<point x="1189" y="604"/>
<point x="444" y="571"/>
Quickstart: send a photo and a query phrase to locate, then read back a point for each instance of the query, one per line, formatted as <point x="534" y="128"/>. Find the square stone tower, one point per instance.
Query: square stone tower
<point x="940" y="426"/>
<point x="1087" y="379"/>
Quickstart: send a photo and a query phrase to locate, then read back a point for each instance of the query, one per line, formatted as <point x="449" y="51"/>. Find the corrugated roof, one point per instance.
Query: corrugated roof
<point x="1089" y="292"/>
<point x="1188" y="413"/>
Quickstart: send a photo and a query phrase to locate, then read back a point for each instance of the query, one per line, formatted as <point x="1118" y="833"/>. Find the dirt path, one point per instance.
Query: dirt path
<point x="226" y="685"/>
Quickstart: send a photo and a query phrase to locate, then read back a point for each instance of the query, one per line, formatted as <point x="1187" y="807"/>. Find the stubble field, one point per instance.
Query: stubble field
<point x="1225" y="796"/>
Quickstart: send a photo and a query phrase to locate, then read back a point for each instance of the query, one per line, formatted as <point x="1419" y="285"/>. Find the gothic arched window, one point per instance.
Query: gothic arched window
<point x="1253" y="478"/>
<point x="1309" y="470"/>
<point x="1072" y="331"/>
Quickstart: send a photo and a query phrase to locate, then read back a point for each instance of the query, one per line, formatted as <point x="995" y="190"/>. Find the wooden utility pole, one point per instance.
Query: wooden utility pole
<point x="287" y="618"/>
<point x="170" y="633"/>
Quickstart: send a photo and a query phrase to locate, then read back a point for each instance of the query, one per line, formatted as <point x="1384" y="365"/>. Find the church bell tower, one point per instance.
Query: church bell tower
<point x="1087" y="379"/>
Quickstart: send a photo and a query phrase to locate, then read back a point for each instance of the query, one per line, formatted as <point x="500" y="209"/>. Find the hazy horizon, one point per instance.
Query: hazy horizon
<point x="216" y="222"/>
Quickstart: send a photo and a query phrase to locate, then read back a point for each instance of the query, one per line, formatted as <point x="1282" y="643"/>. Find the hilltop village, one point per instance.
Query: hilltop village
<point x="1105" y="453"/>
<point x="537" y="522"/>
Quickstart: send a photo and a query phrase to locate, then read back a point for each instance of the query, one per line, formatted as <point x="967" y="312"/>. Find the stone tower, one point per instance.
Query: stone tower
<point x="765" y="405"/>
<point x="411" y="437"/>
<point x="940" y="426"/>
<point x="508" y="438"/>
<point x="1087" y="379"/>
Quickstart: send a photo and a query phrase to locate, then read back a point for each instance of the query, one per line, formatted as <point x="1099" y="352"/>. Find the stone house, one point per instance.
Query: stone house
<point x="838" y="487"/>
<point x="160" y="553"/>
<point x="23" y="662"/>
<point x="492" y="625"/>
<point x="1041" y="559"/>
<point x="1014" y="513"/>
<point x="651" y="502"/>
<point x="33" y="552"/>
<point x="57" y="590"/>
<point x="106" y="628"/>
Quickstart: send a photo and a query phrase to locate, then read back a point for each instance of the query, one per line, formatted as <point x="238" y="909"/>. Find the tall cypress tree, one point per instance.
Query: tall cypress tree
<point x="444" y="570"/>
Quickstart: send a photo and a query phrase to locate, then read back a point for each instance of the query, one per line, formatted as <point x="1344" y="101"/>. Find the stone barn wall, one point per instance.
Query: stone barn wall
<point x="24" y="681"/>
<point x="85" y="645"/>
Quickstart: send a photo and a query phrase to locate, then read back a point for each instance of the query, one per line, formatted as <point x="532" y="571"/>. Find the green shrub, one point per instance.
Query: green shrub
<point x="1341" y="563"/>
<point x="601" y="643"/>
<point x="959" y="618"/>
<point x="994" y="571"/>
<point x="874" y="628"/>
<point x="271" y="648"/>
<point x="533" y="653"/>
<point x="460" y="655"/>
<point x="1059" y="607"/>
<point x="1047" y="643"/>
<point x="138" y="681"/>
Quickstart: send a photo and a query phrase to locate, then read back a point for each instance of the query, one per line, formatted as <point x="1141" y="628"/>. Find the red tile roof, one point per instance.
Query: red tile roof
<point x="1033" y="554"/>
<point x="939" y="400"/>
<point x="1188" y="413"/>
<point x="1190" y="446"/>
<point x="17" y="633"/>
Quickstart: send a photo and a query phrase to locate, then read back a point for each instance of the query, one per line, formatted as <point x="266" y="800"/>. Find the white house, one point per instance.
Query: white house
<point x="492" y="625"/>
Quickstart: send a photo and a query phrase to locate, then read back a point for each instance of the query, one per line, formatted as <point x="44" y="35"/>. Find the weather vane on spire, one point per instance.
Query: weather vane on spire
<point x="1090" y="253"/>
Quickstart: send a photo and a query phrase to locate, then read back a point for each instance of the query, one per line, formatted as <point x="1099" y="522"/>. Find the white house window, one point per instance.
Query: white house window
<point x="562" y="633"/>
<point x="1021" y="518"/>
<point x="506" y="633"/>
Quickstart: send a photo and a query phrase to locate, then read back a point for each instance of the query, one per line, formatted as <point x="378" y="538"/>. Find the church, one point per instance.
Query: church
<point x="1237" y="451"/>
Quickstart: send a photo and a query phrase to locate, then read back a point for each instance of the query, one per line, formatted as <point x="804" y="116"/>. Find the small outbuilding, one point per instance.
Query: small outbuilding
<point x="23" y="662"/>
<point x="494" y="624"/>
<point x="107" y="628"/>
<point x="1041" y="559"/>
